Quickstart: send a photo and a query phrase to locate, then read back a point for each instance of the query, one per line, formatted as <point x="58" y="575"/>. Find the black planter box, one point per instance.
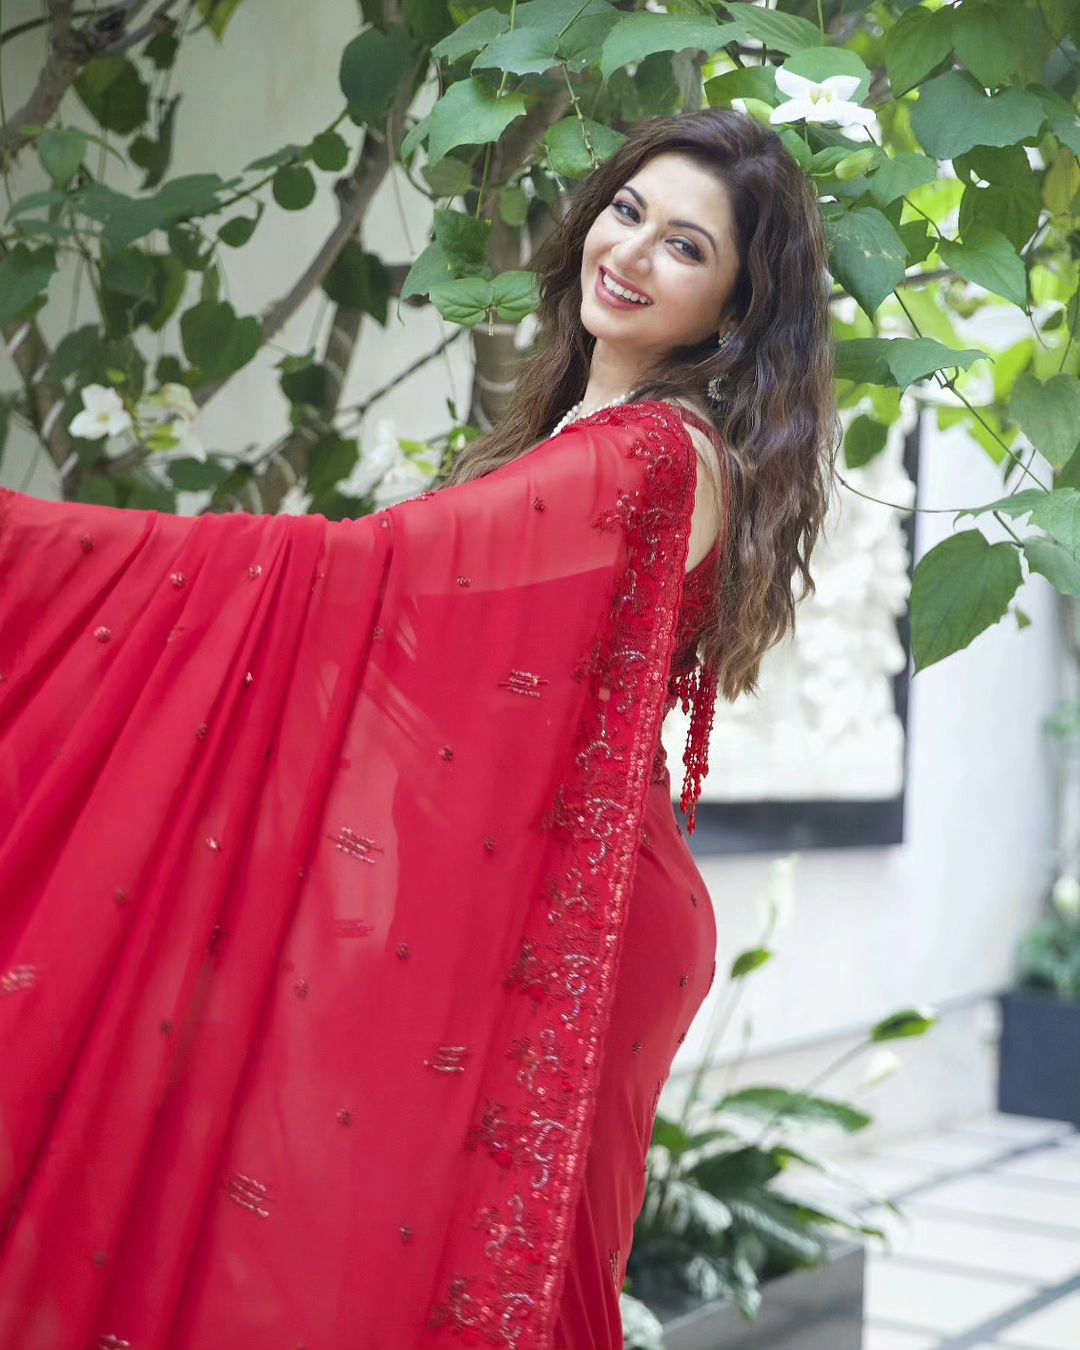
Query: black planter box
<point x="818" y="1309"/>
<point x="1039" y="1065"/>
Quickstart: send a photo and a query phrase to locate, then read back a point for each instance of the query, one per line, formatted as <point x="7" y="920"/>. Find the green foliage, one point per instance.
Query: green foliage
<point x="1049" y="957"/>
<point x="722" y="1210"/>
<point x="965" y="198"/>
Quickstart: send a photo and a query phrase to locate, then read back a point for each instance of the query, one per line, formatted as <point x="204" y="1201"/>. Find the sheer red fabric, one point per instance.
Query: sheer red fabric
<point x="315" y="847"/>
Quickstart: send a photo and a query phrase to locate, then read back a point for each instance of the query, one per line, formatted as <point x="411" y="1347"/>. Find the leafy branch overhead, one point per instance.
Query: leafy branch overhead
<point x="944" y="152"/>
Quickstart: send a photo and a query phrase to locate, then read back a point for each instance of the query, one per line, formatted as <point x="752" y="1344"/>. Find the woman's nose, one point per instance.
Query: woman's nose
<point x="632" y="253"/>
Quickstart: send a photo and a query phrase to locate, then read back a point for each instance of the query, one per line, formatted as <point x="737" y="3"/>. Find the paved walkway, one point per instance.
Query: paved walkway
<point x="988" y="1252"/>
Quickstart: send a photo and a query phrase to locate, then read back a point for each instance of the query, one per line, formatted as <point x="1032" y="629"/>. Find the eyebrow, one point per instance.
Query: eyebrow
<point x="682" y="224"/>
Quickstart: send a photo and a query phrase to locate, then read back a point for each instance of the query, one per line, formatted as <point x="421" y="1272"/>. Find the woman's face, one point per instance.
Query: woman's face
<point x="660" y="262"/>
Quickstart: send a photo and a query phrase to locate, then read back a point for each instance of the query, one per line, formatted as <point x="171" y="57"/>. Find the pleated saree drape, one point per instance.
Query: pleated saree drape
<point x="315" y="840"/>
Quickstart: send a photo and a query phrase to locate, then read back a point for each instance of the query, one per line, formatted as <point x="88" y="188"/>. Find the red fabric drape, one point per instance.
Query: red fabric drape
<point x="315" y="842"/>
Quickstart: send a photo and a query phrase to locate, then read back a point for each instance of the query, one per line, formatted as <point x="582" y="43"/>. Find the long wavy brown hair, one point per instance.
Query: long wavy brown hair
<point x="776" y="414"/>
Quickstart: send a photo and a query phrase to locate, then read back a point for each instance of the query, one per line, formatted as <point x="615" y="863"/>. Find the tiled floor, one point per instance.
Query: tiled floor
<point x="987" y="1253"/>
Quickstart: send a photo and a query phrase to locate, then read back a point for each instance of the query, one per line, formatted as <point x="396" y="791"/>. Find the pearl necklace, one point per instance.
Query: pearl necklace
<point x="575" y="412"/>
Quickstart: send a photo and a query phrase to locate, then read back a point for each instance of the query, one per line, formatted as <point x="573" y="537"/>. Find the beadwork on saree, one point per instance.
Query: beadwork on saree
<point x="315" y="844"/>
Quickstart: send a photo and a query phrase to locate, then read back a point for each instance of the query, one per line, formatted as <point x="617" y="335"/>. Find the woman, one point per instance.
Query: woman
<point x="348" y="933"/>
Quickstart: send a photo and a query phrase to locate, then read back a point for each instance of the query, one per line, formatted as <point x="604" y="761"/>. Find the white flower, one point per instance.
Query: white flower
<point x="103" y="414"/>
<point x="1066" y="897"/>
<point x="827" y="100"/>
<point x="880" y="1065"/>
<point x="164" y="423"/>
<point x="778" y="894"/>
<point x="177" y="399"/>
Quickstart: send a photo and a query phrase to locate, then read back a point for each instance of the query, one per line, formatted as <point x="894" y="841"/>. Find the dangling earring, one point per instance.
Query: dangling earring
<point x="716" y="385"/>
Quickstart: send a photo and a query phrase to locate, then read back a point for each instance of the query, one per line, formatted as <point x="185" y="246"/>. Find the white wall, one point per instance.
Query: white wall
<point x="931" y="921"/>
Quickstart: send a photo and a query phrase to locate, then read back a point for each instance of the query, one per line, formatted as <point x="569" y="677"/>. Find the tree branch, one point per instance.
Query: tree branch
<point x="71" y="49"/>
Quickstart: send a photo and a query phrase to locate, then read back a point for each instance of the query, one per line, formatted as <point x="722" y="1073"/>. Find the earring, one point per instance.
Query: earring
<point x="716" y="386"/>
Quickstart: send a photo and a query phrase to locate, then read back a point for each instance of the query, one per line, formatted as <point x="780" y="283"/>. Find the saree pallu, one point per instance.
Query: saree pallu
<point x="315" y="843"/>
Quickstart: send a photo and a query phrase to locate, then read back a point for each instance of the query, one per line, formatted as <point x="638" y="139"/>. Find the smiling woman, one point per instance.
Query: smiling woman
<point x="344" y="900"/>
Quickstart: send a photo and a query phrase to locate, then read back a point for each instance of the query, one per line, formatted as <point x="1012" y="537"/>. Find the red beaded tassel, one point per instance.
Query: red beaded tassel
<point x="697" y="687"/>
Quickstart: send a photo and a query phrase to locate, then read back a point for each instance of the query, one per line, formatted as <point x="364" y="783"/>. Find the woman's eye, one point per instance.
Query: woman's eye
<point x="626" y="210"/>
<point x="688" y="249"/>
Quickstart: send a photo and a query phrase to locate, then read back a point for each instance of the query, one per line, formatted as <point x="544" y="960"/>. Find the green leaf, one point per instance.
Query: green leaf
<point x="735" y="1172"/>
<point x="155" y="156"/>
<point x="911" y="1021"/>
<point x="428" y="20"/>
<point x="1069" y="474"/>
<point x="114" y="94"/>
<point x="61" y="151"/>
<point x="917" y="43"/>
<point x="216" y="340"/>
<point x="778" y="1224"/>
<point x="305" y="381"/>
<point x="193" y="475"/>
<point x="218" y="13"/>
<point x="522" y="51"/>
<point x="636" y="36"/>
<point x="795" y="146"/>
<point x="1012" y="209"/>
<point x="750" y="960"/>
<point x="1048" y="413"/>
<point x="917" y="240"/>
<point x="236" y="232"/>
<point x="470" y="113"/>
<point x="332" y="458"/>
<point x="766" y="1102"/>
<point x="431" y="269"/>
<point x="513" y="206"/>
<point x="959" y="588"/>
<point x="126" y="219"/>
<point x="899" y="361"/>
<point x="463" y="240"/>
<point x="897" y="177"/>
<point x="854" y="165"/>
<point x="748" y="82"/>
<point x="1056" y="512"/>
<point x="866" y="255"/>
<point x="293" y="187"/>
<point x="329" y="151"/>
<point x="953" y="115"/>
<point x="778" y="31"/>
<point x="373" y="66"/>
<point x="986" y="258"/>
<point x="24" y="276"/>
<point x="464" y="301"/>
<point x="985" y="40"/>
<point x="1054" y="561"/>
<point x="449" y="178"/>
<point x="96" y="490"/>
<point x="865" y="438"/>
<point x="568" y="152"/>
<point x="476" y="33"/>
<point x="515" y="294"/>
<point x="358" y="280"/>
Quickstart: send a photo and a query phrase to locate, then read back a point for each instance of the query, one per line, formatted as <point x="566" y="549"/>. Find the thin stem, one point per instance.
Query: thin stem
<point x="950" y="384"/>
<point x="490" y="148"/>
<point x="3" y="117"/>
<point x="590" y="150"/>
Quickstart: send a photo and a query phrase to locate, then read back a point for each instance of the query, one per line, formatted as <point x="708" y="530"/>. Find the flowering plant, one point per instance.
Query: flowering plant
<point x="718" y="1217"/>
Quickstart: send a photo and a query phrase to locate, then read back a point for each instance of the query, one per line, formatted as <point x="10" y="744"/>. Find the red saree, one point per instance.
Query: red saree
<point x="315" y="843"/>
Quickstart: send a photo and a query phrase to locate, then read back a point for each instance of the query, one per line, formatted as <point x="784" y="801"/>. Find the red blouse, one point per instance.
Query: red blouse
<point x="691" y="682"/>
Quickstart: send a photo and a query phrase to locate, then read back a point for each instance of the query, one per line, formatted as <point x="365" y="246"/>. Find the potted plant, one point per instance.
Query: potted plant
<point x="1039" y="1063"/>
<point x="726" y="1252"/>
